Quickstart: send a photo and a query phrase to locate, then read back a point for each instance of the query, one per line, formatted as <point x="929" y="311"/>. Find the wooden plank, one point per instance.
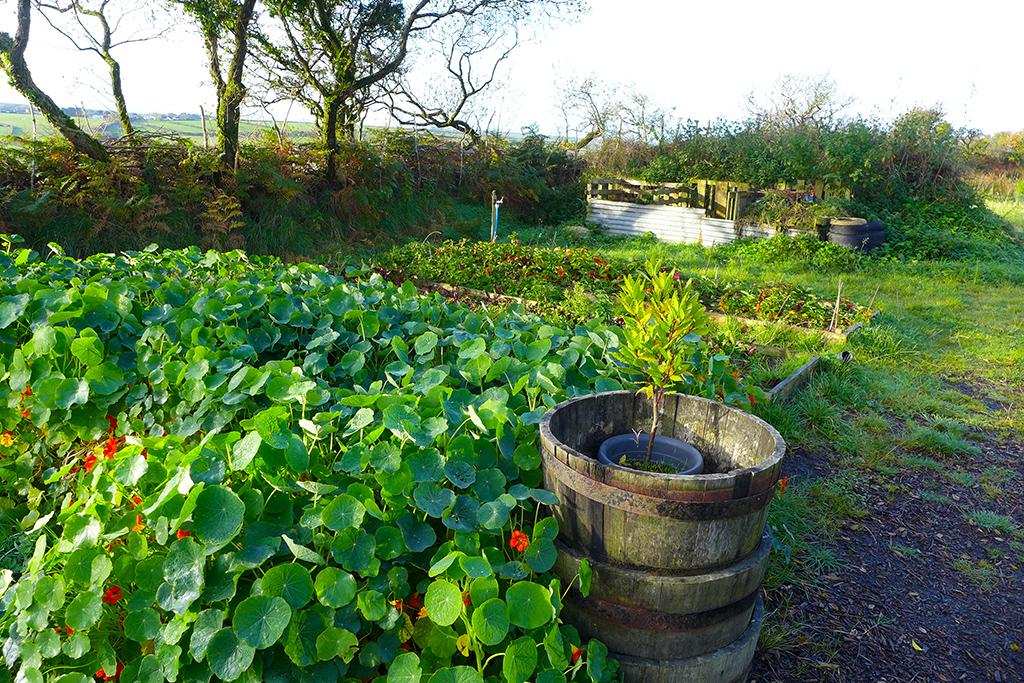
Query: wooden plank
<point x="785" y="388"/>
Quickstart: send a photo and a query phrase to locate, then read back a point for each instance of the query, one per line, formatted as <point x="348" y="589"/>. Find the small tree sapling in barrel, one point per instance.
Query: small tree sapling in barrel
<point x="663" y="324"/>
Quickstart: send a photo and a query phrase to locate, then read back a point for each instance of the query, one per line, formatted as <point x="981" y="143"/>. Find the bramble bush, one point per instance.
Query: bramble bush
<point x="225" y="467"/>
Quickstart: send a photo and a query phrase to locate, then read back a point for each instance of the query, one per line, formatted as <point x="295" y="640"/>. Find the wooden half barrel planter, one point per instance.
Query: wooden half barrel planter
<point x="677" y="560"/>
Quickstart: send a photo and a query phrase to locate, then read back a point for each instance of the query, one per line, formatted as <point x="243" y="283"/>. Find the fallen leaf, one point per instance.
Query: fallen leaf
<point x="917" y="647"/>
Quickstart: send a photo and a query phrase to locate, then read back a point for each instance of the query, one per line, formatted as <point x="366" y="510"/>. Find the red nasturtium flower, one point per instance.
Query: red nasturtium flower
<point x="783" y="483"/>
<point x="576" y="653"/>
<point x="519" y="541"/>
<point x="465" y="598"/>
<point x="90" y="462"/>
<point x="182" y="534"/>
<point x="135" y="501"/>
<point x="102" y="675"/>
<point x="112" y="595"/>
<point x="414" y="601"/>
<point x="110" y="448"/>
<point x="139" y="524"/>
<point x="112" y="422"/>
<point x="26" y="414"/>
<point x="6" y="439"/>
<point x="751" y="398"/>
<point x="27" y="392"/>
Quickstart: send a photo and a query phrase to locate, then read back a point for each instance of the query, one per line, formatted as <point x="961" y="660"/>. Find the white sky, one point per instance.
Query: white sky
<point x="700" y="58"/>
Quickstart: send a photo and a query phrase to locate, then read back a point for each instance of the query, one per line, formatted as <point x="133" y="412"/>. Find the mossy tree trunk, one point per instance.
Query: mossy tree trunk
<point x="230" y="87"/>
<point x="12" y="61"/>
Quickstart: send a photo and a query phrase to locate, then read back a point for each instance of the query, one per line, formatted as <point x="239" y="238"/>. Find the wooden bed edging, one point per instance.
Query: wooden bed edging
<point x="785" y="388"/>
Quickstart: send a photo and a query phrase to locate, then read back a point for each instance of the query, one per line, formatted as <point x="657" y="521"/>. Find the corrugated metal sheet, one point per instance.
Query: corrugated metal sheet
<point x="669" y="223"/>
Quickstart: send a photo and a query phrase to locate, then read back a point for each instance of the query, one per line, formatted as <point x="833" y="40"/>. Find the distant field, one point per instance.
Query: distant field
<point x="20" y="125"/>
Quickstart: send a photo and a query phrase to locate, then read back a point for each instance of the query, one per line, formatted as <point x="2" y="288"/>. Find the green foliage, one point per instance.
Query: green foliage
<point x="175" y="194"/>
<point x="225" y="466"/>
<point x="787" y="209"/>
<point x="578" y="283"/>
<point x="661" y="333"/>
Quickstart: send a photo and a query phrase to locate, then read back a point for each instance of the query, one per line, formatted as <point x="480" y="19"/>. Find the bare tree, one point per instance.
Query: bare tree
<point x="588" y="110"/>
<point x="340" y="58"/>
<point x="799" y="101"/>
<point x="12" y="61"/>
<point x="471" y="55"/>
<point x="91" y="26"/>
<point x="643" y="120"/>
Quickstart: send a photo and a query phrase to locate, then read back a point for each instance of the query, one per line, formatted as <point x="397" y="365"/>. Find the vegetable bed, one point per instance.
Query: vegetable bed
<point x="215" y="465"/>
<point x="577" y="283"/>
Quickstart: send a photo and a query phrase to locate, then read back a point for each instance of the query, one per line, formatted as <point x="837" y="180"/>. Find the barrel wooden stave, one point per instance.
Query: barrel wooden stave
<point x="629" y="528"/>
<point x="669" y="593"/>
<point x="728" y="664"/>
<point x="677" y="559"/>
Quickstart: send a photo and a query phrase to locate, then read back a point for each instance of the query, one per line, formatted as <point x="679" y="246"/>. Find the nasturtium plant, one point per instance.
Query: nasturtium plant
<point x="222" y="467"/>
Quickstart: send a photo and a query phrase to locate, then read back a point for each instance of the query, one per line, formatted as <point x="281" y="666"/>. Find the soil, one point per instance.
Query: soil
<point x="921" y="593"/>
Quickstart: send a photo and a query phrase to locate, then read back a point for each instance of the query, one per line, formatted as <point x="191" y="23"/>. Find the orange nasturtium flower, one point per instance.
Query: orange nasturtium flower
<point x="783" y="483"/>
<point x="139" y="524"/>
<point x="519" y="541"/>
<point x="110" y="448"/>
<point x="6" y="439"/>
<point x="90" y="462"/>
<point x="182" y="534"/>
<point x="576" y="652"/>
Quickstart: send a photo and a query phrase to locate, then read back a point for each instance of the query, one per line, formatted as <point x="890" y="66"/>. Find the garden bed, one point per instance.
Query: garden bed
<point x="777" y="371"/>
<point x="568" y="278"/>
<point x="215" y="464"/>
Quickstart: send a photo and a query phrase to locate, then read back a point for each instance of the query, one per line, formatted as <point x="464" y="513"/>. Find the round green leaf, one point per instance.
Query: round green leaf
<point x="260" y="620"/>
<point x="335" y="587"/>
<point x="218" y="515"/>
<point x="490" y="621"/>
<point x="372" y="605"/>
<point x="84" y="611"/>
<point x="443" y="602"/>
<point x="89" y="350"/>
<point x="529" y="605"/>
<point x="483" y="589"/>
<point x="456" y="674"/>
<point x="336" y="642"/>
<point x="405" y="668"/>
<point x="228" y="656"/>
<point x="520" y="660"/>
<point x="143" y="624"/>
<point x="344" y="512"/>
<point x="288" y="581"/>
<point x="88" y="566"/>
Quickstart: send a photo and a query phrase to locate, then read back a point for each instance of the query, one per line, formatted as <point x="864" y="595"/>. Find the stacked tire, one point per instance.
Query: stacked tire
<point x="856" y="233"/>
